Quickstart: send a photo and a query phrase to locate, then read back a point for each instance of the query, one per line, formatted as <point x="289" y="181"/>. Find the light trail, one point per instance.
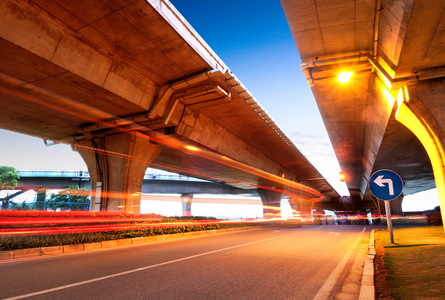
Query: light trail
<point x="116" y="122"/>
<point x="17" y="223"/>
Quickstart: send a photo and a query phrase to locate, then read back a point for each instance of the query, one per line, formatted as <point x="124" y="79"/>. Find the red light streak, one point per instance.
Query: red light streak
<point x="15" y="223"/>
<point x="158" y="138"/>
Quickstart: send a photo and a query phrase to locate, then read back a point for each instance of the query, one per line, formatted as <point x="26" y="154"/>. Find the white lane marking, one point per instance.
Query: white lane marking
<point x="336" y="233"/>
<point x="329" y="284"/>
<point x="140" y="269"/>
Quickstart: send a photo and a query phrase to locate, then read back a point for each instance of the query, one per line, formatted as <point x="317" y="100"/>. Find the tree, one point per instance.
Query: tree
<point x="8" y="178"/>
<point x="72" y="198"/>
<point x="40" y="199"/>
<point x="8" y="181"/>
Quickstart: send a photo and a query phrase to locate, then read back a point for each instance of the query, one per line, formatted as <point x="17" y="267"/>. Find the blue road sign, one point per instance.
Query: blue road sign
<point x="386" y="184"/>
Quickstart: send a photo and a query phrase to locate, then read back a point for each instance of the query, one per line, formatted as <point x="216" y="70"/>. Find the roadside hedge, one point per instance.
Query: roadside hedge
<point x="14" y="236"/>
<point x="8" y="243"/>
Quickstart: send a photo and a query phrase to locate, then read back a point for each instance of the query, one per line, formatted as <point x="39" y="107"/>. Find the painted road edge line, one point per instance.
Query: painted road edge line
<point x="329" y="284"/>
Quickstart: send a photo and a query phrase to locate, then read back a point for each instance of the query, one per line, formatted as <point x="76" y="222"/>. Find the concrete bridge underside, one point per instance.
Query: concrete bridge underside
<point x="391" y="114"/>
<point x="130" y="84"/>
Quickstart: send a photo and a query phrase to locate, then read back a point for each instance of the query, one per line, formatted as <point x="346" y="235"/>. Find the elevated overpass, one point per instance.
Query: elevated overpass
<point x="391" y="114"/>
<point x="131" y="84"/>
<point x="153" y="183"/>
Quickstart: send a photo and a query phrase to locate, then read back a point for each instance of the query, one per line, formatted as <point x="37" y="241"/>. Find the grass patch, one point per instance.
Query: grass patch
<point x="415" y="264"/>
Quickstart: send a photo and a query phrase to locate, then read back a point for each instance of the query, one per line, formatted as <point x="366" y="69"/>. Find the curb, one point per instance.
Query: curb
<point x="367" y="289"/>
<point x="76" y="248"/>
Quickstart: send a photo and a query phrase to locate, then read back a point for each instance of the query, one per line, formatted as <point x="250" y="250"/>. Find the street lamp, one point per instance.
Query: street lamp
<point x="344" y="76"/>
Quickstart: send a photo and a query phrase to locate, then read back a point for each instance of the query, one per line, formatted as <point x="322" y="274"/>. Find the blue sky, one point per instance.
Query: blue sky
<point x="254" y="41"/>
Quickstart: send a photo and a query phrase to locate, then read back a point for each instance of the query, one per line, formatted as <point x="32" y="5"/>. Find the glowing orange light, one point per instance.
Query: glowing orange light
<point x="192" y="148"/>
<point x="43" y="222"/>
<point x="342" y="177"/>
<point x="344" y="76"/>
<point x="390" y="98"/>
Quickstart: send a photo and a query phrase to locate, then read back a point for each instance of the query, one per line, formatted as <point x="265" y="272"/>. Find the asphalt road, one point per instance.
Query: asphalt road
<point x="268" y="263"/>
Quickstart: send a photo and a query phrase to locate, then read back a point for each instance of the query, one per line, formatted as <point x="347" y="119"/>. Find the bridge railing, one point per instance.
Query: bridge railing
<point x="53" y="173"/>
<point x="86" y="174"/>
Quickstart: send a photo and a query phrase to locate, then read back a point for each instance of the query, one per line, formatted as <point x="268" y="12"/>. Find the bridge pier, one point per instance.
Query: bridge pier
<point x="420" y="109"/>
<point x="271" y="203"/>
<point x="304" y="208"/>
<point x="296" y="207"/>
<point x="117" y="164"/>
<point x="186" y="204"/>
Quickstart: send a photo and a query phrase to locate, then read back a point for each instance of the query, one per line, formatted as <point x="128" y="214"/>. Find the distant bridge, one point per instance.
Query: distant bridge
<point x="153" y="183"/>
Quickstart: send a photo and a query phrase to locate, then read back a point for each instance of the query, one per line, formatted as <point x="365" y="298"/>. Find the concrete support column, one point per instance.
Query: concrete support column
<point x="301" y="208"/>
<point x="186" y="204"/>
<point x="117" y="164"/>
<point x="271" y="203"/>
<point x="418" y="117"/>
<point x="306" y="210"/>
<point x="296" y="207"/>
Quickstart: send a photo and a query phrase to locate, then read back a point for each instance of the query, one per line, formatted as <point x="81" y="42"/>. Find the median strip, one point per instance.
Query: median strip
<point x="329" y="284"/>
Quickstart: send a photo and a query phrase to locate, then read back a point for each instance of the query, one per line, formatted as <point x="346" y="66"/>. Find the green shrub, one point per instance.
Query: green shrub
<point x="8" y="243"/>
<point x="148" y="225"/>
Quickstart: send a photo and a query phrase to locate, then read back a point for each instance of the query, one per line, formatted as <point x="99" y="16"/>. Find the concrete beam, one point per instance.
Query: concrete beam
<point x="186" y="204"/>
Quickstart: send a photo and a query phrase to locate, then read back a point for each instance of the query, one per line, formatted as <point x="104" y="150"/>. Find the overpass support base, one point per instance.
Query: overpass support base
<point x="302" y="209"/>
<point x="117" y="164"/>
<point x="186" y="204"/>
<point x="416" y="112"/>
<point x="296" y="209"/>
<point x="271" y="203"/>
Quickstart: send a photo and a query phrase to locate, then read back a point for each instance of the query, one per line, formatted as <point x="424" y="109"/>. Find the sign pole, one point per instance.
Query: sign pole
<point x="386" y="185"/>
<point x="388" y="220"/>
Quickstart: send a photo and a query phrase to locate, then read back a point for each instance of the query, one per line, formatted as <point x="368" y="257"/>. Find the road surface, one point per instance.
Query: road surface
<point x="267" y="263"/>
